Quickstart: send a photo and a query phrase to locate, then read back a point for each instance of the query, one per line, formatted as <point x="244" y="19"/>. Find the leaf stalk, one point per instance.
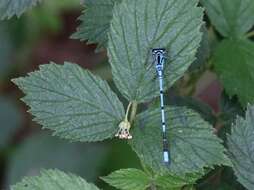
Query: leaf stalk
<point x="133" y="111"/>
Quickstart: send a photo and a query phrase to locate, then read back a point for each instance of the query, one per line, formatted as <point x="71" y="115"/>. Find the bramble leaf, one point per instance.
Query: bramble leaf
<point x="134" y="179"/>
<point x="233" y="61"/>
<point x="229" y="108"/>
<point x="193" y="145"/>
<point x="128" y="179"/>
<point x="137" y="27"/>
<point x="72" y="102"/>
<point x="9" y="8"/>
<point x="54" y="180"/>
<point x="95" y="22"/>
<point x="231" y="18"/>
<point x="241" y="149"/>
<point x="171" y="181"/>
<point x="203" y="52"/>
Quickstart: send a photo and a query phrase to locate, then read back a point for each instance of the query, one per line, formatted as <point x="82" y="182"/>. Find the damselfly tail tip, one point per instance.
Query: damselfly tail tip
<point x="166" y="157"/>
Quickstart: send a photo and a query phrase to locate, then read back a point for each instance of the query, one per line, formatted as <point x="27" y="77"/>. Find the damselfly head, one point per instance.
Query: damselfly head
<point x="159" y="56"/>
<point x="159" y="51"/>
<point x="154" y="50"/>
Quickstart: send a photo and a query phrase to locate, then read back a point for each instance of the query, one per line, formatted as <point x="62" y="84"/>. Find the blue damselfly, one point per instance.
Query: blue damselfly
<point x="159" y="57"/>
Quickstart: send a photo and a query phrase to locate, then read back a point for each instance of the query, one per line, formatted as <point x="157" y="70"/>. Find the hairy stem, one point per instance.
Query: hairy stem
<point x="127" y="111"/>
<point x="133" y="111"/>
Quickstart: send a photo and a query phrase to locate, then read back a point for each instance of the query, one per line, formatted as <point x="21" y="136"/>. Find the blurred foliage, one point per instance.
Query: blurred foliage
<point x="44" y="18"/>
<point x="51" y="152"/>
<point x="47" y="16"/>
<point x="6" y="50"/>
<point x="10" y="120"/>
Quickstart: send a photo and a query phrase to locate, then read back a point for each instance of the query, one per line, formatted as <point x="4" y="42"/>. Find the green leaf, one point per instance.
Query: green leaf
<point x="241" y="148"/>
<point x="54" y="180"/>
<point x="193" y="145"/>
<point x="95" y="22"/>
<point x="203" y="52"/>
<point x="229" y="109"/>
<point x="128" y="179"/>
<point x="9" y="8"/>
<point x="10" y="119"/>
<point x="44" y="151"/>
<point x="170" y="181"/>
<point x="231" y="17"/>
<point x="73" y="102"/>
<point x="137" y="27"/>
<point x="233" y="61"/>
<point x="193" y="103"/>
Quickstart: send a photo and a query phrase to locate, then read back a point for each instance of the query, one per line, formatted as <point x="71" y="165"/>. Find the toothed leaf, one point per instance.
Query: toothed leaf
<point x="95" y="22"/>
<point x="241" y="148"/>
<point x="72" y="102"/>
<point x="54" y="180"/>
<point x="231" y="17"/>
<point x="134" y="179"/>
<point x="128" y="179"/>
<point x="233" y="60"/>
<point x="137" y="27"/>
<point x="193" y="145"/>
<point x="9" y="8"/>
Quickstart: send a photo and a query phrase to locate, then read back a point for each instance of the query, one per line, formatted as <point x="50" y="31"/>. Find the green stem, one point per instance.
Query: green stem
<point x="127" y="112"/>
<point x="250" y="34"/>
<point x="133" y="111"/>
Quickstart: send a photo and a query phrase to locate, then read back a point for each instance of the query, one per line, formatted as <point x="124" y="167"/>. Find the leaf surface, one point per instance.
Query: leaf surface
<point x="241" y="148"/>
<point x="128" y="179"/>
<point x="95" y="22"/>
<point x="233" y="61"/>
<point x="232" y="18"/>
<point x="139" y="26"/>
<point x="193" y="145"/>
<point x="54" y="180"/>
<point x="72" y="102"/>
<point x="134" y="179"/>
<point x="9" y="8"/>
